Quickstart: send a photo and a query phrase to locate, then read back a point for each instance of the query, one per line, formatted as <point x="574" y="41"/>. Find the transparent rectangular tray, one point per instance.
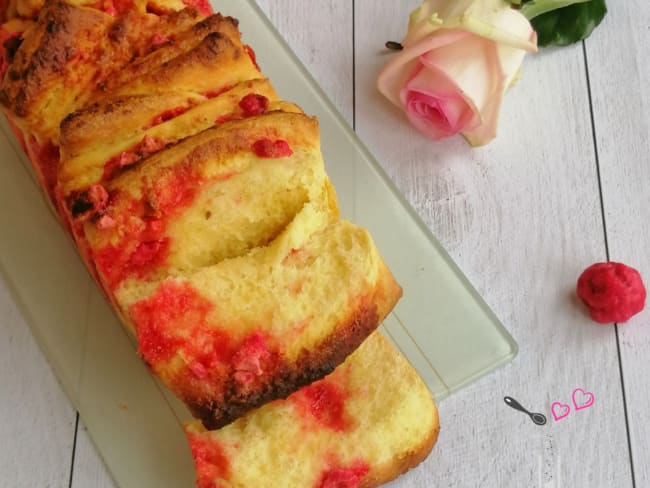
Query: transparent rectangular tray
<point x="441" y="324"/>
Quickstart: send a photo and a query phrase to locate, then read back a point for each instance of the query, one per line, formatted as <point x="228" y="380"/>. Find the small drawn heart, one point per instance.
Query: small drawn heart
<point x="582" y="399"/>
<point x="559" y="410"/>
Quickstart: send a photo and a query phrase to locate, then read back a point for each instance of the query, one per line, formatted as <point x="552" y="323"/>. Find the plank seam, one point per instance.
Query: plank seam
<point x="604" y="223"/>
<point x="74" y="450"/>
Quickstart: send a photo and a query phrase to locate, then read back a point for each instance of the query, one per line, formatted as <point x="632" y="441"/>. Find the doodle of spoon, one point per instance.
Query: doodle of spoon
<point x="537" y="418"/>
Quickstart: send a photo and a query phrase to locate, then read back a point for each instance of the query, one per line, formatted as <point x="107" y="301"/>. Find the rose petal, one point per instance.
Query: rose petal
<point x="509" y="59"/>
<point x="509" y="27"/>
<point x="435" y="105"/>
<point x="473" y="67"/>
<point x="398" y="70"/>
<point x="491" y="19"/>
<point x="430" y="116"/>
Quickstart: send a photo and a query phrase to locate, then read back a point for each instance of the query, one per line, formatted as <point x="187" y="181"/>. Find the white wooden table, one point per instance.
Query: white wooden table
<point x="564" y="185"/>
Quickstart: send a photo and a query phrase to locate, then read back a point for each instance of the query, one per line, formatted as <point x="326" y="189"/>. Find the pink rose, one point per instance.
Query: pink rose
<point x="459" y="58"/>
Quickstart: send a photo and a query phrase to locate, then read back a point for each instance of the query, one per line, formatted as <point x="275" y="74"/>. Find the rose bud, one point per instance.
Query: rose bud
<point x="457" y="61"/>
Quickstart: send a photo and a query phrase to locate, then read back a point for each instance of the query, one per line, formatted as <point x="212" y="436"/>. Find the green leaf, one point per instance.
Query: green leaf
<point x="569" y="24"/>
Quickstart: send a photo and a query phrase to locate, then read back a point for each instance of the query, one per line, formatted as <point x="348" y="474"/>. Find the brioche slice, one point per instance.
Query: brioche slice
<point x="365" y="424"/>
<point x="37" y="90"/>
<point x="251" y="329"/>
<point x="61" y="60"/>
<point x="69" y="51"/>
<point x="210" y="198"/>
<point x="30" y="8"/>
<point x="49" y="71"/>
<point x="103" y="139"/>
<point x="207" y="58"/>
<point x="188" y="84"/>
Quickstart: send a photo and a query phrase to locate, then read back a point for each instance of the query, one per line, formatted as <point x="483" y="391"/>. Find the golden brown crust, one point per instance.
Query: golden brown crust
<point x="195" y="47"/>
<point x="206" y="152"/>
<point x="70" y="51"/>
<point x="28" y="9"/>
<point x="85" y="127"/>
<point x="392" y="425"/>
<point x="387" y="293"/>
<point x="91" y="137"/>
<point x="176" y="22"/>
<point x="44" y="65"/>
<point x="212" y="148"/>
<point x="312" y="364"/>
<point x="46" y="49"/>
<point x="217" y="60"/>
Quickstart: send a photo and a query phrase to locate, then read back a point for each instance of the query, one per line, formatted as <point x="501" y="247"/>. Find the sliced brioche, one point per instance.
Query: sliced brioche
<point x="217" y="58"/>
<point x="199" y="201"/>
<point x="31" y="8"/>
<point x="69" y="52"/>
<point x="187" y="84"/>
<point x="44" y="78"/>
<point x="248" y="245"/>
<point x="365" y="424"/>
<point x="207" y="199"/>
<point x="255" y="328"/>
<point x="49" y="72"/>
<point x="103" y="139"/>
<point x="63" y="57"/>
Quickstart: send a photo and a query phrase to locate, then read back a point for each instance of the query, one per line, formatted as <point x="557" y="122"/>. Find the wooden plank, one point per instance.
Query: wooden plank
<point x="320" y="34"/>
<point x="37" y="424"/>
<point x="89" y="470"/>
<point x="619" y="69"/>
<point x="521" y="217"/>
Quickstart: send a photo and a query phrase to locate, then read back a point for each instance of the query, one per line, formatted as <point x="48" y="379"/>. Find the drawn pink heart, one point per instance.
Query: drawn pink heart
<point x="582" y="399"/>
<point x="559" y="410"/>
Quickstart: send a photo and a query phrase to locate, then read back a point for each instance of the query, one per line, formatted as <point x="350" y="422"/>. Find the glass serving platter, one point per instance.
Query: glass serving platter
<point x="441" y="324"/>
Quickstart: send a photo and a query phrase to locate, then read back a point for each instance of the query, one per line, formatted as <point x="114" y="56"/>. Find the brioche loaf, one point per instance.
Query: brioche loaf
<point x="370" y="420"/>
<point x="199" y="201"/>
<point x="185" y="180"/>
